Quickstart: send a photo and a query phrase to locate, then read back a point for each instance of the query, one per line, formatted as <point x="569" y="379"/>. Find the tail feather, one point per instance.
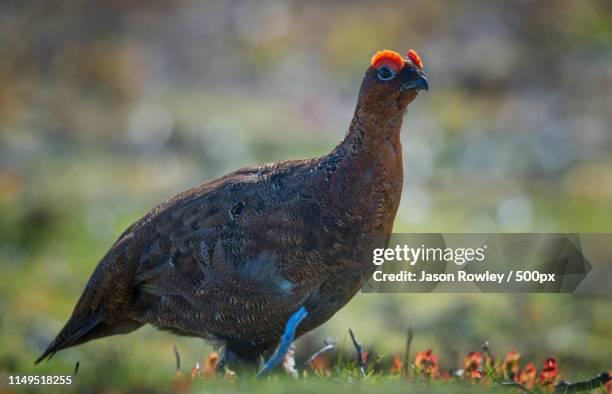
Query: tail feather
<point x="72" y="334"/>
<point x="104" y="307"/>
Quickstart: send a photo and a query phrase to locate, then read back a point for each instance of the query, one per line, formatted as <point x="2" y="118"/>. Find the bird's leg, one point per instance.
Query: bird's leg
<point x="286" y="341"/>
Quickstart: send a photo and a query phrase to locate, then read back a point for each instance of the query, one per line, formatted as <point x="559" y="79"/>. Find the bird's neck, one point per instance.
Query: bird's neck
<point x="365" y="170"/>
<point x="370" y="133"/>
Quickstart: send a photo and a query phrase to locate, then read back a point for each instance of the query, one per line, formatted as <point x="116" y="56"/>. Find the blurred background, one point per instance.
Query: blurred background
<point x="108" y="107"/>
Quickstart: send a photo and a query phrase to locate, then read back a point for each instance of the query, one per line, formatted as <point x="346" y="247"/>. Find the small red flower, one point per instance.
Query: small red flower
<point x="527" y="376"/>
<point x="210" y="365"/>
<point x="511" y="366"/>
<point x="196" y="371"/>
<point x="548" y="374"/>
<point x="472" y="364"/>
<point x="427" y="363"/>
<point x="320" y="365"/>
<point x="182" y="384"/>
<point x="364" y="358"/>
<point x="396" y="365"/>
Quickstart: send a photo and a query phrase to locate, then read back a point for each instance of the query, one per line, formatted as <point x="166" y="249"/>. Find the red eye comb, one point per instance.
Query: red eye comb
<point x="388" y="58"/>
<point x="416" y="59"/>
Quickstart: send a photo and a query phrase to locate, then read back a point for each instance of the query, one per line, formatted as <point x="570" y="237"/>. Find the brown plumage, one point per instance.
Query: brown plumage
<point x="231" y="259"/>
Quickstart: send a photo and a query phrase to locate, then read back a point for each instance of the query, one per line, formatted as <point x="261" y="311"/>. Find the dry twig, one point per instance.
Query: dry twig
<point x="409" y="337"/>
<point x="329" y="345"/>
<point x="177" y="356"/>
<point x="584" y="385"/>
<point x="359" y="350"/>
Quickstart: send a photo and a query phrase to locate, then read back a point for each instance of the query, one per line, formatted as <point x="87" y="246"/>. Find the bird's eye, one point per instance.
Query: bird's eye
<point x="385" y="73"/>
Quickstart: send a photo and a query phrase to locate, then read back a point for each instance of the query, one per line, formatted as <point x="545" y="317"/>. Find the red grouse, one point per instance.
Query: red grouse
<point x="232" y="259"/>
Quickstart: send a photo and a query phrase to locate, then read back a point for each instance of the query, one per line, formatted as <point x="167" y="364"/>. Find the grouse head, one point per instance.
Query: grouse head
<point x="391" y="82"/>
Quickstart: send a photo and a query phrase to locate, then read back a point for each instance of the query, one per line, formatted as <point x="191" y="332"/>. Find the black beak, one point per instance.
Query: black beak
<point x="413" y="79"/>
